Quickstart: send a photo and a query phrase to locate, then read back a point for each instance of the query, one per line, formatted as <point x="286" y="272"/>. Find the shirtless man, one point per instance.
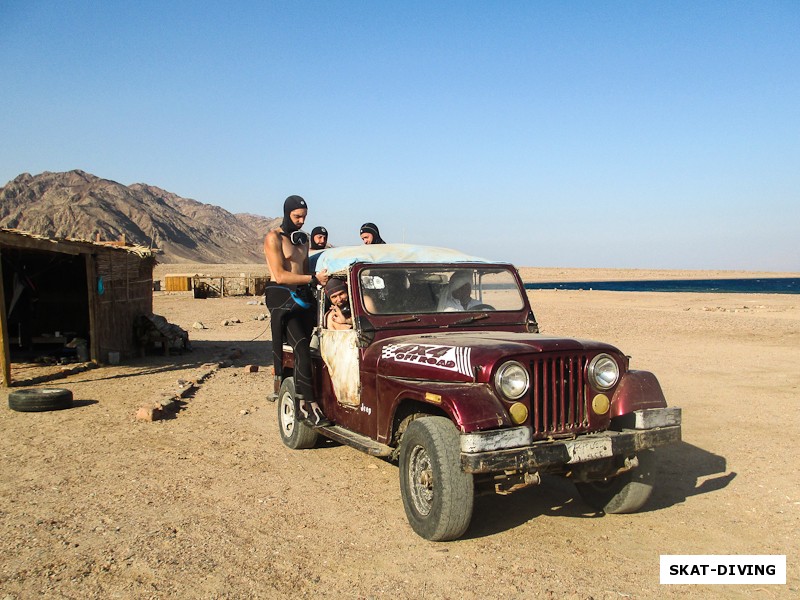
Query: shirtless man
<point x="338" y="316"/>
<point x="291" y="303"/>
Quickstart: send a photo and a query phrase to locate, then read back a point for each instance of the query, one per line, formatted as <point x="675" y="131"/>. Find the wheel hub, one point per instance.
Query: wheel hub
<point x="421" y="477"/>
<point x="287" y="414"/>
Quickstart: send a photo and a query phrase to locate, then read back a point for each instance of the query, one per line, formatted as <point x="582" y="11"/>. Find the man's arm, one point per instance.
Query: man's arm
<point x="322" y="277"/>
<point x="337" y="321"/>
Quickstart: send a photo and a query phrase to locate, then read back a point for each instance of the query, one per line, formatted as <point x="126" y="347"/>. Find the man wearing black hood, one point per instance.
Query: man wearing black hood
<point x="370" y="234"/>
<point x="290" y="300"/>
<point x="319" y="238"/>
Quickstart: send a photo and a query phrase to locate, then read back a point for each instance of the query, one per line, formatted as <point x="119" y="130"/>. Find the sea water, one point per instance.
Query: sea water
<point x="762" y="285"/>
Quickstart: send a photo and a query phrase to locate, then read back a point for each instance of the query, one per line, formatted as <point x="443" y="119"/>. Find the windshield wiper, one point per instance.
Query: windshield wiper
<point x="404" y="320"/>
<point x="470" y="319"/>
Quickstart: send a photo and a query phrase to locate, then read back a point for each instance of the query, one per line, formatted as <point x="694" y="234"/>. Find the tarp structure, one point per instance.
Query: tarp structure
<point x="338" y="259"/>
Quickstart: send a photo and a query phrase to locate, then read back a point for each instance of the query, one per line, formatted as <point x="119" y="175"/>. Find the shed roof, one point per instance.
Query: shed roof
<point x="27" y="239"/>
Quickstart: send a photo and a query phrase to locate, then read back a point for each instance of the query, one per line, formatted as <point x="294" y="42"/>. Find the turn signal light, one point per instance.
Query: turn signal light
<point x="601" y="404"/>
<point x="518" y="412"/>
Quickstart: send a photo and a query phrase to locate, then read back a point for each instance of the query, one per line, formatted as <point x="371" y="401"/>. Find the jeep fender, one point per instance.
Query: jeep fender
<point x="636" y="391"/>
<point x="471" y="406"/>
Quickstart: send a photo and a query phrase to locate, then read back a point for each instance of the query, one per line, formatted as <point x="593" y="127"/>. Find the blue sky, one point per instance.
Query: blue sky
<point x="573" y="134"/>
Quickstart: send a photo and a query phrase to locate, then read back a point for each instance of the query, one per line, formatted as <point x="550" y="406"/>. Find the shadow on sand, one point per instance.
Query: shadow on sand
<point x="685" y="471"/>
<point x="236" y="353"/>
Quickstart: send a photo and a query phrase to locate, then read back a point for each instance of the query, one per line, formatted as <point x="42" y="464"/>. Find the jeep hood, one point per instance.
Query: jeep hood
<point x="453" y="355"/>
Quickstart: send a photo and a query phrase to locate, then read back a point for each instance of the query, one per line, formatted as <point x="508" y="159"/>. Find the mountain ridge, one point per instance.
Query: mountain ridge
<point x="79" y="205"/>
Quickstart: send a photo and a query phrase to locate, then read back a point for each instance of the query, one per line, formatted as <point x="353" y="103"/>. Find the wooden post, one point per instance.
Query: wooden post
<point x="91" y="290"/>
<point x="5" y="350"/>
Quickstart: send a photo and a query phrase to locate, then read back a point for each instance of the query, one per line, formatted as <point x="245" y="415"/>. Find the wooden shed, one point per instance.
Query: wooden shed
<point x="56" y="290"/>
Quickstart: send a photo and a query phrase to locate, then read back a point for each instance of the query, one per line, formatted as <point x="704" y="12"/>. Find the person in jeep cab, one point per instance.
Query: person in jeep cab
<point x="338" y="316"/>
<point x="458" y="295"/>
<point x="290" y="300"/>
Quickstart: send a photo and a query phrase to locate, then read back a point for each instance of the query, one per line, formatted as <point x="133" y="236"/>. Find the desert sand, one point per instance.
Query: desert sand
<point x="210" y="504"/>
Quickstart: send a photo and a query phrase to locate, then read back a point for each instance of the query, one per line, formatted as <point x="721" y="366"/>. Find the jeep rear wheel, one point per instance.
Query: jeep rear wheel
<point x="437" y="494"/>
<point x="625" y="493"/>
<point x="295" y="434"/>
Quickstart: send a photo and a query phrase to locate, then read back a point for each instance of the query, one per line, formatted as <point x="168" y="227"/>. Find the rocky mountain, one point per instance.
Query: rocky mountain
<point x="79" y="205"/>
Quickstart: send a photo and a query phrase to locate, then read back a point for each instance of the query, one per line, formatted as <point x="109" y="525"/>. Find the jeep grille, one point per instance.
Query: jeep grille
<point x="557" y="400"/>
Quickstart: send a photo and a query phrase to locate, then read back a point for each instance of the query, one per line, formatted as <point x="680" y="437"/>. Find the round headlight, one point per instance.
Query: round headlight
<point x="512" y="380"/>
<point x="603" y="372"/>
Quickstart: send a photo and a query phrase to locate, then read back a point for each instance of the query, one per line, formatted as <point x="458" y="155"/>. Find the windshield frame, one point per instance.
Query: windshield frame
<point x="427" y="283"/>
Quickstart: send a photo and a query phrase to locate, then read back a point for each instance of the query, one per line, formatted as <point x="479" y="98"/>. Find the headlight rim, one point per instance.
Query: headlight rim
<point x="594" y="380"/>
<point x="501" y="370"/>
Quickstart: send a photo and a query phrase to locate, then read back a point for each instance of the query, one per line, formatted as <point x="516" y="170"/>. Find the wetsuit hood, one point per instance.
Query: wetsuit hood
<point x="291" y="203"/>
<point x="373" y="229"/>
<point x="318" y="230"/>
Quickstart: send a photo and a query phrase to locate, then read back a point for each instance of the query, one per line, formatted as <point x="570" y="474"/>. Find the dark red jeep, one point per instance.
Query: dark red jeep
<point x="446" y="373"/>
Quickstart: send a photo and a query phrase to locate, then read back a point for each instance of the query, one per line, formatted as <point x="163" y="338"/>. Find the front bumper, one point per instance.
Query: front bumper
<point x="502" y="450"/>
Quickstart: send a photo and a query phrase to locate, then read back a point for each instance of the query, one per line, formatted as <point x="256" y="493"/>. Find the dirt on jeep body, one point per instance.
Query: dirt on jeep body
<point x="208" y="503"/>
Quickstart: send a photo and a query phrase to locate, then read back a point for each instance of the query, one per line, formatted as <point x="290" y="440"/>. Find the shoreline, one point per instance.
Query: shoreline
<point x="528" y="274"/>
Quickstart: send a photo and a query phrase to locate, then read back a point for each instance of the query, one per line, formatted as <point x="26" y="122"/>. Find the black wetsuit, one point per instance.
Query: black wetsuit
<point x="292" y="323"/>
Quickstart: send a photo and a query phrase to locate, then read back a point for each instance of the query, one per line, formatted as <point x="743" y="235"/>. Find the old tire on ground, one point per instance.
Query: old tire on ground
<point x="294" y="432"/>
<point x="437" y="494"/>
<point x="625" y="493"/>
<point x="39" y="399"/>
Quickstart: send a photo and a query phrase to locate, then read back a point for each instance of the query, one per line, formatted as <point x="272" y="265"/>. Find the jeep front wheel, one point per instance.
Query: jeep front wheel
<point x="296" y="434"/>
<point x="437" y="494"/>
<point x="625" y="493"/>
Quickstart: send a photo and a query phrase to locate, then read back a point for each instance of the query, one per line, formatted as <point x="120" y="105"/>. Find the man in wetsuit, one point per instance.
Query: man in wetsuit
<point x="289" y="298"/>
<point x="319" y="238"/>
<point x="370" y="235"/>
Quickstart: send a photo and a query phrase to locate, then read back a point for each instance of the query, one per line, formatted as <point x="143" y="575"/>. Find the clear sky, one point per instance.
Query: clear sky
<point x="573" y="134"/>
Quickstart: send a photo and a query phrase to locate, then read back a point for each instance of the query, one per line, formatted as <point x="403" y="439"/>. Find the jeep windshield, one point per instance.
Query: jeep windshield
<point x="439" y="289"/>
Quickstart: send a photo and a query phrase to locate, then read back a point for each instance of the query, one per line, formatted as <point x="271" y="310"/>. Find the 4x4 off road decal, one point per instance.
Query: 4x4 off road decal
<point x="449" y="358"/>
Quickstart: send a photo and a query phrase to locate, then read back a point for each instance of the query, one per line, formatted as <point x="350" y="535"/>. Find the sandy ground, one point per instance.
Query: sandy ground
<point x="210" y="504"/>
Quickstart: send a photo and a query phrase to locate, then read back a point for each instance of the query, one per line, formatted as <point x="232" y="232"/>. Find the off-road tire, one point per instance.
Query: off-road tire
<point x="40" y="399"/>
<point x="295" y="433"/>
<point x="437" y="494"/>
<point x="625" y="493"/>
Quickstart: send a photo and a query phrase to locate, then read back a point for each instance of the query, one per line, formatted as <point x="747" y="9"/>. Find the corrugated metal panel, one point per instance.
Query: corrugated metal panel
<point x="177" y="283"/>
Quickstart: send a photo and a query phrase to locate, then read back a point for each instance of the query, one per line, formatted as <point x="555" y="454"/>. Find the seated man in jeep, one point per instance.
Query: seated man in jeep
<point x="458" y="295"/>
<point x="339" y="315"/>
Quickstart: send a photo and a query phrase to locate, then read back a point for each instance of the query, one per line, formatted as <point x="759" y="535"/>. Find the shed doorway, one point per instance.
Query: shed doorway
<point x="47" y="303"/>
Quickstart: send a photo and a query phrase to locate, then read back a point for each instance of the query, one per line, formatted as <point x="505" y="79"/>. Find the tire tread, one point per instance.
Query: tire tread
<point x="452" y="510"/>
<point x="39" y="399"/>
